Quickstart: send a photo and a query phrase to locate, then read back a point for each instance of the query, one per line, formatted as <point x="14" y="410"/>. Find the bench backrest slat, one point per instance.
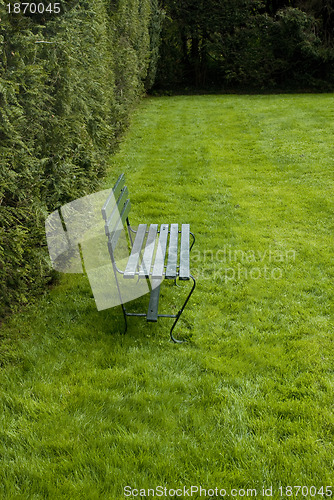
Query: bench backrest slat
<point x="113" y="237"/>
<point x="113" y="197"/>
<point x="115" y="215"/>
<point x="115" y="212"/>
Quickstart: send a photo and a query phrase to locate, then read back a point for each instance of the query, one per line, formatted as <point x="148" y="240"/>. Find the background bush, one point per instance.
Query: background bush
<point x="247" y="44"/>
<point x="68" y="83"/>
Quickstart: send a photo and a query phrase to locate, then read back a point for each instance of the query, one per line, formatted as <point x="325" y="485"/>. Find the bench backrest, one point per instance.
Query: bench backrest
<point x="115" y="212"/>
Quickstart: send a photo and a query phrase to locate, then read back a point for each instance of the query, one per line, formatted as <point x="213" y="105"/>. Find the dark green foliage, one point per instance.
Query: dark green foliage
<point x="248" y="44"/>
<point x="283" y="52"/>
<point x="68" y="82"/>
<point x="306" y="60"/>
<point x="157" y="18"/>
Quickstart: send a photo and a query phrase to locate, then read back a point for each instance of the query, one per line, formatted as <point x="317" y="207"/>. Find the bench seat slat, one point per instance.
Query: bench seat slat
<point x="172" y="252"/>
<point x="159" y="262"/>
<point x="184" y="272"/>
<point x="146" y="264"/>
<point x="132" y="264"/>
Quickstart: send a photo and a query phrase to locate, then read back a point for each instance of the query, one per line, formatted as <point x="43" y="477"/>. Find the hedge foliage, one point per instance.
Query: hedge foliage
<point x="68" y="83"/>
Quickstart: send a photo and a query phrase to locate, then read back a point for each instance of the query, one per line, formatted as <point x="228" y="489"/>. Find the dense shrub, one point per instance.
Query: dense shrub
<point x="254" y="44"/>
<point x="68" y="83"/>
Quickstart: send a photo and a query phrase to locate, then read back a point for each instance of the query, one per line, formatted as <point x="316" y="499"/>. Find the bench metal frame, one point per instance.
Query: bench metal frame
<point x="115" y="213"/>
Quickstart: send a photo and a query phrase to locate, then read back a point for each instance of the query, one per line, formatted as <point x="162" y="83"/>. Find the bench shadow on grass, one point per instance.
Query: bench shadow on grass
<point x="112" y="322"/>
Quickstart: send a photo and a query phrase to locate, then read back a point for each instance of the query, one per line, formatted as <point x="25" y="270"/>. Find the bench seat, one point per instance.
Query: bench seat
<point x="149" y="254"/>
<point x="150" y="265"/>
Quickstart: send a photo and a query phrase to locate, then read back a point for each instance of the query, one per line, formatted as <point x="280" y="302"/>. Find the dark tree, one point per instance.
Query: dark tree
<point x="248" y="43"/>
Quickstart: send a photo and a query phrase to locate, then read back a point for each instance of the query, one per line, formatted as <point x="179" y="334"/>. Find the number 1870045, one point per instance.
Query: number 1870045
<point x="33" y="8"/>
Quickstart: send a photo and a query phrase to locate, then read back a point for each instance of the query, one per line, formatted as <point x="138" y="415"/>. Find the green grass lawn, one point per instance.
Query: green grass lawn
<point x="247" y="402"/>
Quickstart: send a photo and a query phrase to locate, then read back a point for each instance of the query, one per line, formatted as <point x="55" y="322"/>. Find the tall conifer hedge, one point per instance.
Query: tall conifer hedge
<point x="68" y="82"/>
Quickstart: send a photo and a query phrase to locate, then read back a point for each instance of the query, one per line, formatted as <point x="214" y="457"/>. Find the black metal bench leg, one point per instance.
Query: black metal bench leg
<point x="192" y="234"/>
<point x="180" y="312"/>
<point x="126" y="322"/>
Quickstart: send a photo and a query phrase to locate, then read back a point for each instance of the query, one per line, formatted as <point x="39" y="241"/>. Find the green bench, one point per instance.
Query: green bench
<point x="157" y="253"/>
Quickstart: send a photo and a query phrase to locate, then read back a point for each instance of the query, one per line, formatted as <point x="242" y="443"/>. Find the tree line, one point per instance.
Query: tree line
<point x="243" y="44"/>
